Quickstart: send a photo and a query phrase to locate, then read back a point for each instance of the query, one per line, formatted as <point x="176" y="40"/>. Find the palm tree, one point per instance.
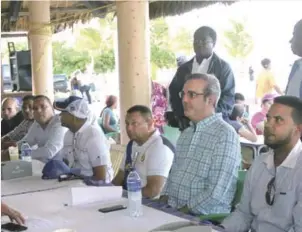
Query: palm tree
<point x="239" y="42"/>
<point x="96" y="40"/>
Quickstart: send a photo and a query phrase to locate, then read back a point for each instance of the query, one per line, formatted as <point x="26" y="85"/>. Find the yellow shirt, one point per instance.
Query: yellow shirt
<point x="265" y="83"/>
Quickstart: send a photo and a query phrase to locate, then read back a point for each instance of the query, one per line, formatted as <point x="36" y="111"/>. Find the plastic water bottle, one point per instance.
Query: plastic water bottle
<point x="26" y="152"/>
<point x="134" y="194"/>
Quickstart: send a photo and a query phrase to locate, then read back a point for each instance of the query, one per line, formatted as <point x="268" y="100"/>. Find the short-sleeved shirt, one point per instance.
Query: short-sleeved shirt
<point x="154" y="158"/>
<point x="265" y="83"/>
<point x="256" y="119"/>
<point x="86" y="149"/>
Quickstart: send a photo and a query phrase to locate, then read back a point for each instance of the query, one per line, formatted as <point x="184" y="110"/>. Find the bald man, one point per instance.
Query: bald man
<point x="11" y="117"/>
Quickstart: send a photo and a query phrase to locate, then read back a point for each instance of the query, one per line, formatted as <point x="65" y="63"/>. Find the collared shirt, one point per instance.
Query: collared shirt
<point x="203" y="67"/>
<point x="20" y="131"/>
<point x="294" y="87"/>
<point x="205" y="169"/>
<point x="49" y="141"/>
<point x="87" y="149"/>
<point x="285" y="215"/>
<point x="154" y="158"/>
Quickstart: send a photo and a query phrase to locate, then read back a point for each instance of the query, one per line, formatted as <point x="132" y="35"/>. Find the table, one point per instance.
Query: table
<point x="46" y="211"/>
<point x="45" y="205"/>
<point x="256" y="146"/>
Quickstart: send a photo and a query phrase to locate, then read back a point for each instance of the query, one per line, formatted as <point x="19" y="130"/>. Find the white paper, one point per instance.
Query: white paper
<point x="86" y="195"/>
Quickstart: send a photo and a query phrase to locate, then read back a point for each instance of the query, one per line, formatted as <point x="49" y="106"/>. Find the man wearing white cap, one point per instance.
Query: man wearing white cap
<point x="85" y="144"/>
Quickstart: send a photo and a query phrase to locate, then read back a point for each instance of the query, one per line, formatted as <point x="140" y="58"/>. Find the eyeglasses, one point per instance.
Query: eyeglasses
<point x="270" y="192"/>
<point x="190" y="94"/>
<point x="202" y="42"/>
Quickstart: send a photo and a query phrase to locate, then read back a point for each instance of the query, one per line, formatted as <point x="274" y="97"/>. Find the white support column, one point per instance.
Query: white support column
<point x="41" y="47"/>
<point x="134" y="56"/>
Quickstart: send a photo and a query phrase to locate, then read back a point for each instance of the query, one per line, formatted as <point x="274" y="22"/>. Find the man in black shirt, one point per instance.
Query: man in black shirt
<point x="205" y="61"/>
<point x="11" y="118"/>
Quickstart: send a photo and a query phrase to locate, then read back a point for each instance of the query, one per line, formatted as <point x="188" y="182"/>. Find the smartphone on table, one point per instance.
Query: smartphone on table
<point x="112" y="208"/>
<point x="13" y="227"/>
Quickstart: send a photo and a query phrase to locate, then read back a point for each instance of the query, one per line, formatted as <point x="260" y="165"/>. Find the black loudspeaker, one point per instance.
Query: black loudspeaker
<point x="20" y="63"/>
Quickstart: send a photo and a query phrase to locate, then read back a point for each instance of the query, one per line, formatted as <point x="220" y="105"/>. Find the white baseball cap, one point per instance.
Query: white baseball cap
<point x="74" y="105"/>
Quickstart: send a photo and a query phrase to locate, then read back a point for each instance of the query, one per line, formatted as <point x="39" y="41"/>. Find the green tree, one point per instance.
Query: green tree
<point x="66" y="59"/>
<point x="183" y="42"/>
<point x="162" y="56"/>
<point x="104" y="62"/>
<point x="98" y="42"/>
<point x="239" y="42"/>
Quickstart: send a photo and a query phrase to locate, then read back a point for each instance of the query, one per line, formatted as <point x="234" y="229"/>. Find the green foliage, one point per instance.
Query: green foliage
<point x="89" y="39"/>
<point x="104" y="62"/>
<point x="66" y="59"/>
<point x="239" y="42"/>
<point x="161" y="54"/>
<point x="162" y="57"/>
<point x="183" y="41"/>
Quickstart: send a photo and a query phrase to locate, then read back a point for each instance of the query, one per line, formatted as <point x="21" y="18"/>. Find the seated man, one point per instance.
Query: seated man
<point x="11" y="118"/>
<point x="272" y="195"/>
<point x="204" y="173"/>
<point x="85" y="144"/>
<point x="239" y="98"/>
<point x="21" y="130"/>
<point x="150" y="153"/>
<point x="259" y="117"/>
<point x="46" y="133"/>
<point x="242" y="125"/>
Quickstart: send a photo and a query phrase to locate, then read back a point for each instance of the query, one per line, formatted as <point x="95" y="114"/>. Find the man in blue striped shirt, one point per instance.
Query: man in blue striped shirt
<point x="205" y="168"/>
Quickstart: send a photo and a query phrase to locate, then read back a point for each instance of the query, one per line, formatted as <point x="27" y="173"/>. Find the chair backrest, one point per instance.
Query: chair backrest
<point x="117" y="152"/>
<point x="171" y="133"/>
<point x="239" y="189"/>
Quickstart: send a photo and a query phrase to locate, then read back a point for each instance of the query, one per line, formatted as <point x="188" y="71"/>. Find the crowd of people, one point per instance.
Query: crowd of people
<point x="198" y="176"/>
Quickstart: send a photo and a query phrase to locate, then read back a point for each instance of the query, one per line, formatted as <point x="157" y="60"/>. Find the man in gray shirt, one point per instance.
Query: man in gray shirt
<point x="46" y="133"/>
<point x="272" y="195"/>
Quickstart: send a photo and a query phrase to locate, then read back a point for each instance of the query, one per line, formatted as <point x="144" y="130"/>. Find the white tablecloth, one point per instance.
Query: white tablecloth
<point x="46" y="211"/>
<point x="32" y="183"/>
<point x="260" y="141"/>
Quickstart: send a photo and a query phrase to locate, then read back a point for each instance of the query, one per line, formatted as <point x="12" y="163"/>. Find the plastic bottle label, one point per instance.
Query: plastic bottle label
<point x="134" y="186"/>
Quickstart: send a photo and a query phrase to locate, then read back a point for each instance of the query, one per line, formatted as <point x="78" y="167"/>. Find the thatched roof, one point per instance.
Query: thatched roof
<point x="66" y="13"/>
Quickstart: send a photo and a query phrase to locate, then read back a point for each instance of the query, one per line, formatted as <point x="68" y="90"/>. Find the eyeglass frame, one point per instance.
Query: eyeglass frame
<point x="191" y="94"/>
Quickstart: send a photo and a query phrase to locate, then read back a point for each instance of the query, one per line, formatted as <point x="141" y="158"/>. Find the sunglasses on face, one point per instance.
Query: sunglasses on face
<point x="190" y="94"/>
<point x="270" y="192"/>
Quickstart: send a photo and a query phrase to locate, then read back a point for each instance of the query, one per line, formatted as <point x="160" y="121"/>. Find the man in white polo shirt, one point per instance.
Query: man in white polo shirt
<point x="85" y="144"/>
<point x="148" y="152"/>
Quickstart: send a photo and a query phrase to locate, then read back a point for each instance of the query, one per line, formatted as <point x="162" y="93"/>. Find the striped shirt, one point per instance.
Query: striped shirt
<point x="20" y="131"/>
<point x="205" y="169"/>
